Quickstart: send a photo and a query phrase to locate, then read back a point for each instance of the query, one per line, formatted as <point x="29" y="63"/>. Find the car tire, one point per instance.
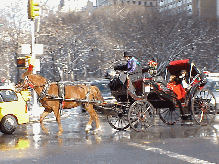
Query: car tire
<point x="8" y="124"/>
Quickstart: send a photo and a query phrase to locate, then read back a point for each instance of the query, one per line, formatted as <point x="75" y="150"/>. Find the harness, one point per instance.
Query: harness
<point x="45" y="86"/>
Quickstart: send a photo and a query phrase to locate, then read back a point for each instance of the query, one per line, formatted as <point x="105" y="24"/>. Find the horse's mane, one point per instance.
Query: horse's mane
<point x="37" y="78"/>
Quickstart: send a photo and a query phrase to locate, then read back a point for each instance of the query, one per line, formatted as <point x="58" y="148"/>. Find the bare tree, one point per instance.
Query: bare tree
<point x="83" y="45"/>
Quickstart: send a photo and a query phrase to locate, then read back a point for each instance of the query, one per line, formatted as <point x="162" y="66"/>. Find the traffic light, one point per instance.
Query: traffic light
<point x="21" y="62"/>
<point x="32" y="8"/>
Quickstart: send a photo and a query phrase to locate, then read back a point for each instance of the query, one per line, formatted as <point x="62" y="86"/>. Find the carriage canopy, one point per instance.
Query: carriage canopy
<point x="175" y="67"/>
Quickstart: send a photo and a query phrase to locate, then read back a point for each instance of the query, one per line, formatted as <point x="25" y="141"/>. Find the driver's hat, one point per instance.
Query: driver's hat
<point x="127" y="54"/>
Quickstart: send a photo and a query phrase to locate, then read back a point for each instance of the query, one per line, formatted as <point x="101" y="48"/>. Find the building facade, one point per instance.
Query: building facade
<point x="175" y="6"/>
<point x="202" y="8"/>
<point x="72" y="5"/>
<point x="146" y="3"/>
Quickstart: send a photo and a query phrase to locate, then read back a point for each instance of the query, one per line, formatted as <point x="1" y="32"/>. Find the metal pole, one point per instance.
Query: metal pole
<point x="35" y="109"/>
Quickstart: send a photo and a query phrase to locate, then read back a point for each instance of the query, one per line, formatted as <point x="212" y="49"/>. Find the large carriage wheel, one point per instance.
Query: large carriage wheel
<point x="141" y="115"/>
<point x="118" y="119"/>
<point x="204" y="107"/>
<point x="172" y="114"/>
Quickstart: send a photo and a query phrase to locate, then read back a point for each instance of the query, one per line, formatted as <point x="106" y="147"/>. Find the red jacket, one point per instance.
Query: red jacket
<point x="177" y="89"/>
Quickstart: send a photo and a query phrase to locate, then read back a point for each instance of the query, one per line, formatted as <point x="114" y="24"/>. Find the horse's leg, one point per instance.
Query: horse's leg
<point x="93" y="115"/>
<point x="56" y="112"/>
<point x="42" y="116"/>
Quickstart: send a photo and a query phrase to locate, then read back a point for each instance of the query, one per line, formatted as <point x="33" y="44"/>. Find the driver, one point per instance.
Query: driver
<point x="134" y="70"/>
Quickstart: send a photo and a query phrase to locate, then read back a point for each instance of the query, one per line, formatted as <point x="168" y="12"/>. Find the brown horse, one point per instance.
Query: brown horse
<point x="48" y="91"/>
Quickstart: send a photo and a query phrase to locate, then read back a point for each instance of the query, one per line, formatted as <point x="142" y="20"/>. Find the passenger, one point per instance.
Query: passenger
<point x="176" y="88"/>
<point x="183" y="79"/>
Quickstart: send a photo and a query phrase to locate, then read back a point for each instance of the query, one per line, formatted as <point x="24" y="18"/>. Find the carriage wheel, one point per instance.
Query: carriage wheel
<point x="118" y="119"/>
<point x="172" y="114"/>
<point x="141" y="115"/>
<point x="204" y="107"/>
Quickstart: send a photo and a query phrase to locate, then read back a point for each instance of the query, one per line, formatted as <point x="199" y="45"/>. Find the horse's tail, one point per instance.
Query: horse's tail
<point x="98" y="95"/>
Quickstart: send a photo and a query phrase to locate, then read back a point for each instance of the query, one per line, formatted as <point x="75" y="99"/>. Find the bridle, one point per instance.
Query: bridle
<point x="45" y="86"/>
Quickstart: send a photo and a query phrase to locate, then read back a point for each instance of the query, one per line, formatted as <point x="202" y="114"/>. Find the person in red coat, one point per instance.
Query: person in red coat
<point x="176" y="88"/>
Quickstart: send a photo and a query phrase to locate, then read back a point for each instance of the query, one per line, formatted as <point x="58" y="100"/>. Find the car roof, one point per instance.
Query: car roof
<point x="7" y="87"/>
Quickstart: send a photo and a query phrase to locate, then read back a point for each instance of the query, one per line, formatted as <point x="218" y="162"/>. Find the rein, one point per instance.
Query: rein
<point x="45" y="86"/>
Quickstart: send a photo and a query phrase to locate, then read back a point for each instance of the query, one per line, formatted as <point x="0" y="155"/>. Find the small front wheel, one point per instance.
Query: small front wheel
<point x="118" y="119"/>
<point x="204" y="107"/>
<point x="8" y="124"/>
<point x="141" y="115"/>
<point x="172" y="114"/>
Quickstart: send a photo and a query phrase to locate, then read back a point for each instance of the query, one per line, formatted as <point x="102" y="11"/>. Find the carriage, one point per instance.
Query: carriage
<point x="153" y="94"/>
<point x="157" y="95"/>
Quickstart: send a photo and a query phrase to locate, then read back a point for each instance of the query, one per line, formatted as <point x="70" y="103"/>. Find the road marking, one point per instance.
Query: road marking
<point x="171" y="154"/>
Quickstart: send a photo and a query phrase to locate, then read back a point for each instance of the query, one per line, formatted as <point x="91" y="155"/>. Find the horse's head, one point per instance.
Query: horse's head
<point x="28" y="79"/>
<point x="24" y="81"/>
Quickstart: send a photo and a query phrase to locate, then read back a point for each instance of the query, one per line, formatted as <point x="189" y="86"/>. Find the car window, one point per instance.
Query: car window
<point x="1" y="99"/>
<point x="213" y="85"/>
<point x="8" y="95"/>
<point x="103" y="87"/>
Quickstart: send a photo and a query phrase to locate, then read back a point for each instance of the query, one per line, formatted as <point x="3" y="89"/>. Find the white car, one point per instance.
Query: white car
<point x="213" y="85"/>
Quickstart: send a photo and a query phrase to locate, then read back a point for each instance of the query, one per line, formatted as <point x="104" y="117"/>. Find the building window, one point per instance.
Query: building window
<point x="151" y="4"/>
<point x="127" y="2"/>
<point x="145" y="3"/>
<point x="133" y="2"/>
<point x="139" y="3"/>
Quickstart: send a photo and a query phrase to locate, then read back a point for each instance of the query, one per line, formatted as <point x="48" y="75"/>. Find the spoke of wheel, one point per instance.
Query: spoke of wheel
<point x="164" y="111"/>
<point x="123" y="122"/>
<point x="177" y="115"/>
<point x="146" y="110"/>
<point x="134" y="118"/>
<point x="166" y="114"/>
<point x="174" y="115"/>
<point x="137" y="120"/>
<point x="120" y="123"/>
<point x="116" y="120"/>
<point x="201" y="117"/>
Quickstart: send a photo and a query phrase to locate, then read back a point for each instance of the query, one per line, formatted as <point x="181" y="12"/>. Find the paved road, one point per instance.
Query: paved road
<point x="181" y="143"/>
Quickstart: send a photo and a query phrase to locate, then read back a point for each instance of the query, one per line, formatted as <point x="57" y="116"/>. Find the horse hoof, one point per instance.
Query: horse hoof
<point x="59" y="133"/>
<point x="98" y="129"/>
<point x="88" y="128"/>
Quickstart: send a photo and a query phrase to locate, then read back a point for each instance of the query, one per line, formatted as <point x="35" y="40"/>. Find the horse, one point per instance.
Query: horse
<point x="47" y="92"/>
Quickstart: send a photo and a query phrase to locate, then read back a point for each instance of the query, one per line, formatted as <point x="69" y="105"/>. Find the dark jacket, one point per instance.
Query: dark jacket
<point x="133" y="67"/>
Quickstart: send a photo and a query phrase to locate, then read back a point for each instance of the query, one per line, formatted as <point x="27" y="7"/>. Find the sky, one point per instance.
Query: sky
<point x="52" y="3"/>
<point x="9" y="5"/>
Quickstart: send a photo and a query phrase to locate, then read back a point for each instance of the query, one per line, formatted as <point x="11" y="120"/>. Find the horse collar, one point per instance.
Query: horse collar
<point x="45" y="90"/>
<point x="29" y="82"/>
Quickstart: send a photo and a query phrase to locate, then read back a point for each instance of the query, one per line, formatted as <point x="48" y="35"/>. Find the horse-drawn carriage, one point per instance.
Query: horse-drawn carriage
<point x="132" y="109"/>
<point x="168" y="98"/>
